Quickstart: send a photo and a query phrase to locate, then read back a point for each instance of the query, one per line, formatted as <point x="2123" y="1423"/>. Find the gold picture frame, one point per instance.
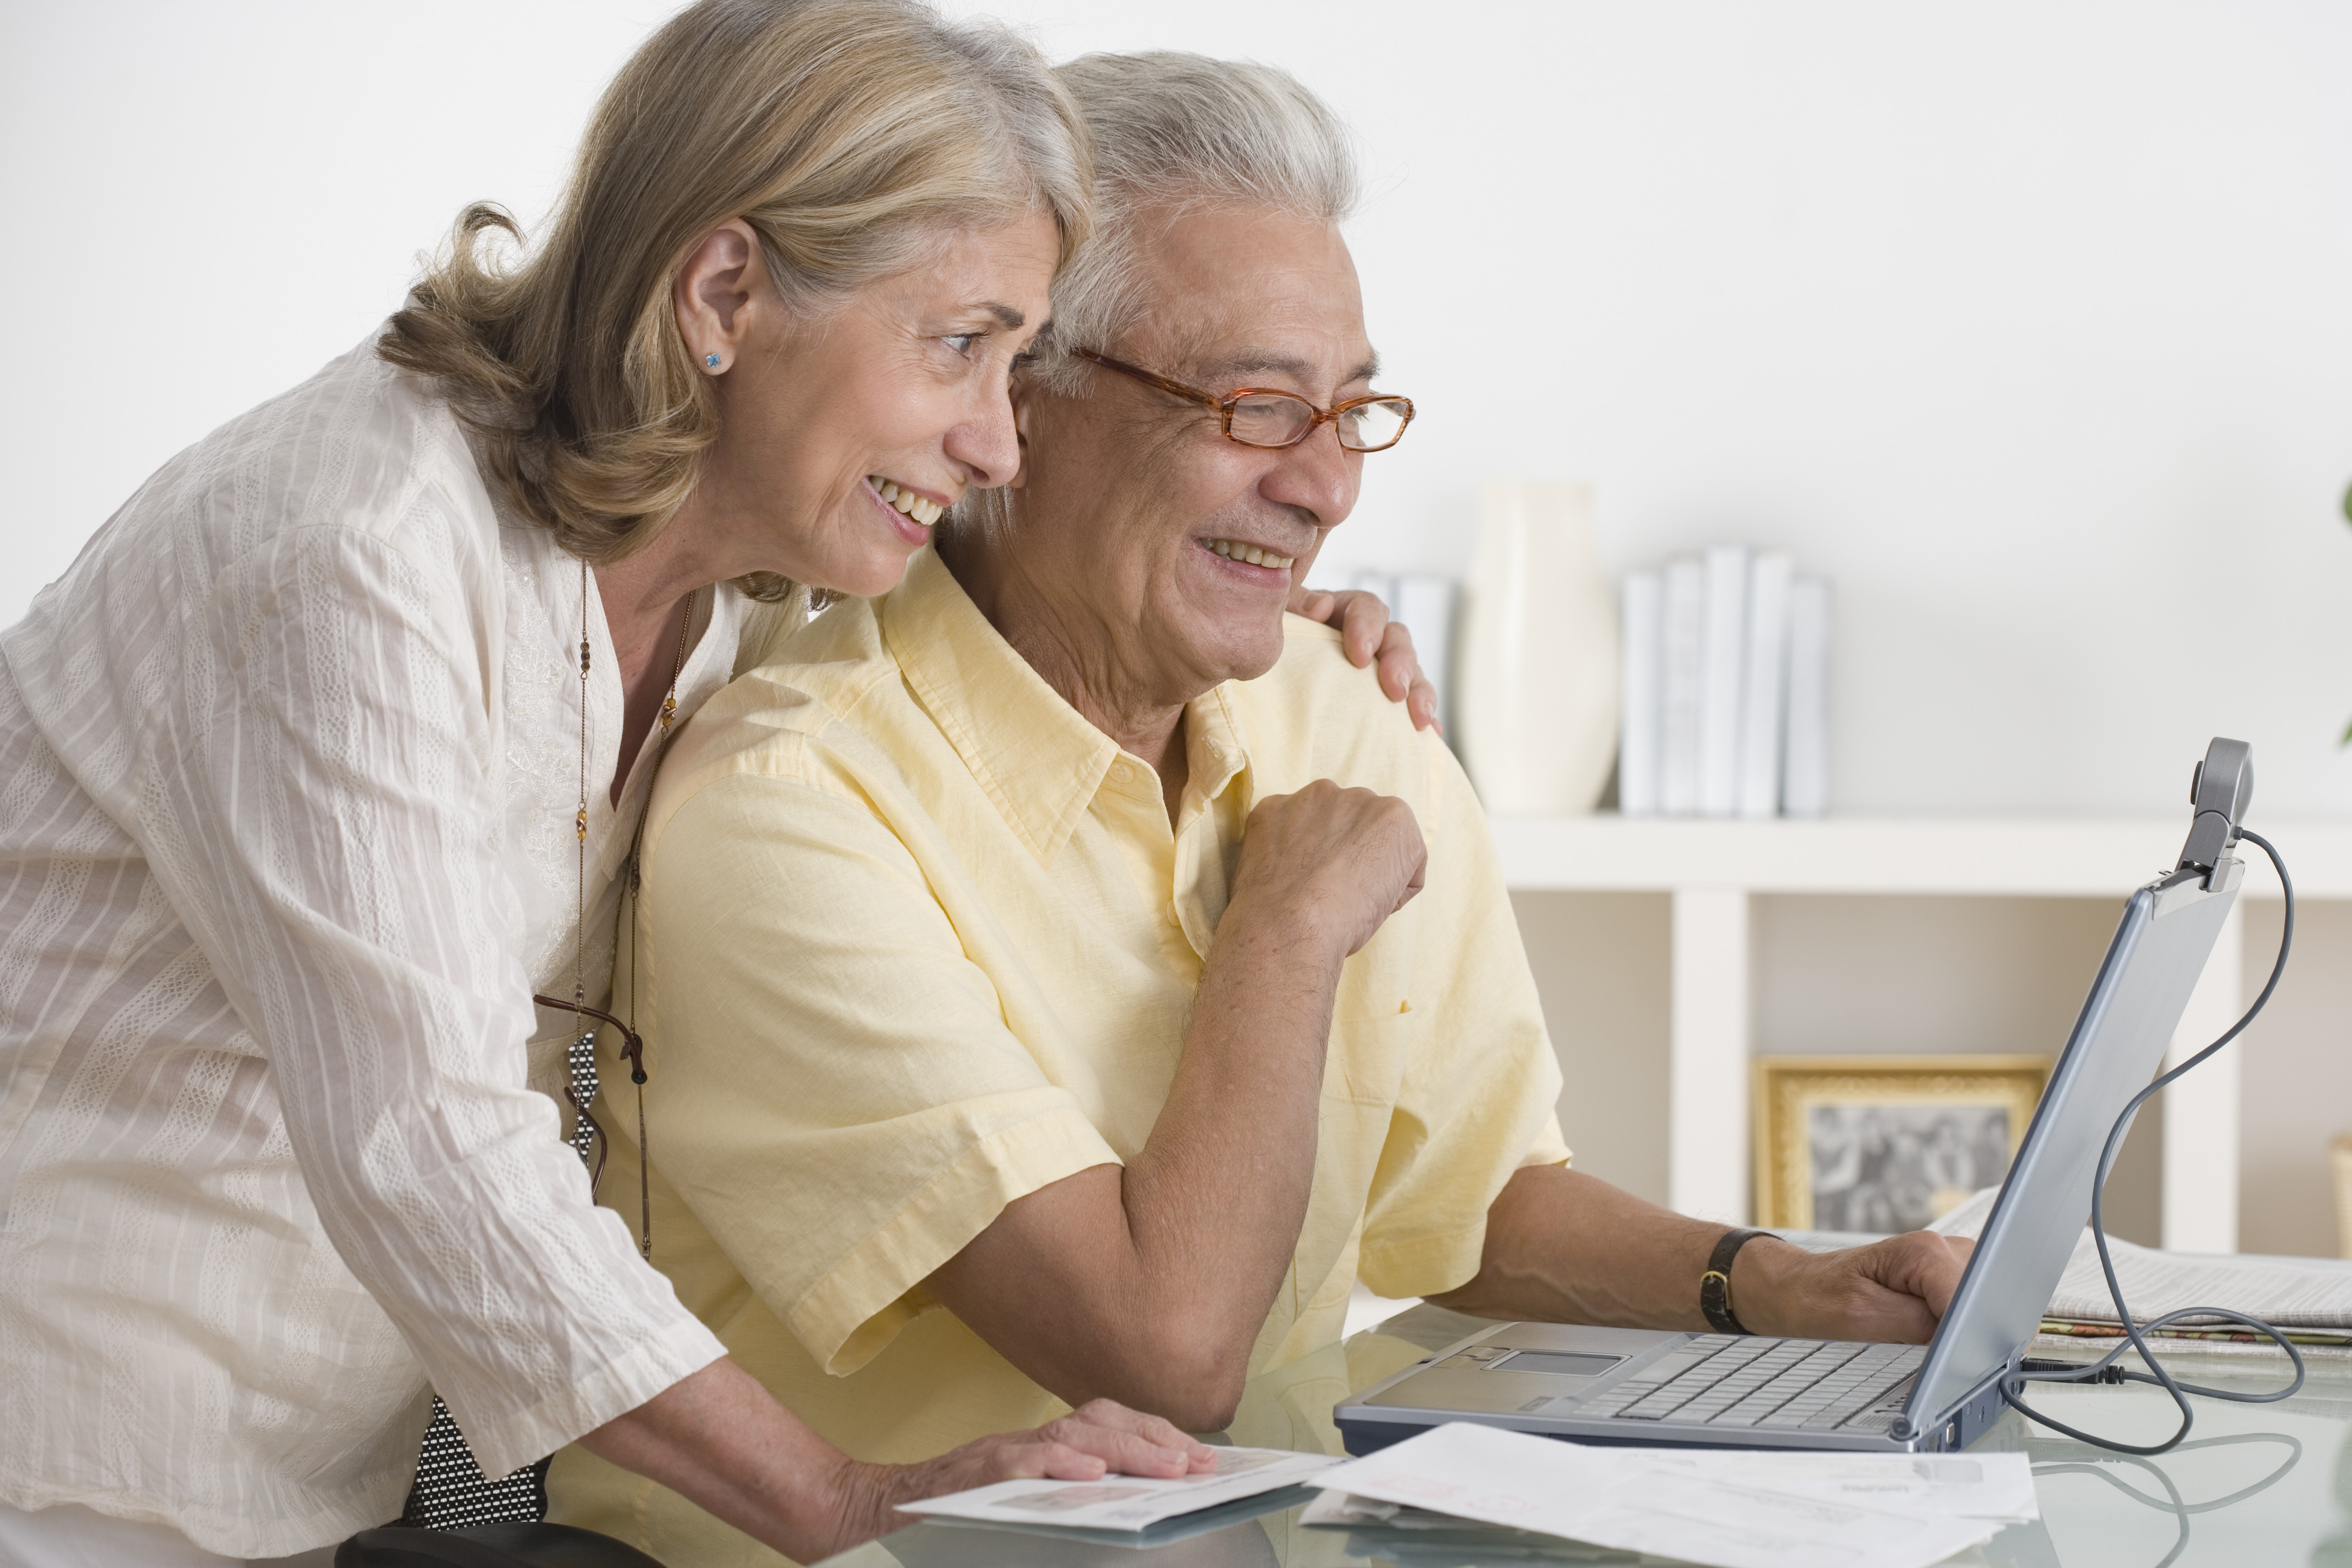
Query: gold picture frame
<point x="1893" y="1141"/>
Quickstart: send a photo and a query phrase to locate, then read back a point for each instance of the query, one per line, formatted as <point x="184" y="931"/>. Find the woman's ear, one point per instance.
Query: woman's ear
<point x="721" y="289"/>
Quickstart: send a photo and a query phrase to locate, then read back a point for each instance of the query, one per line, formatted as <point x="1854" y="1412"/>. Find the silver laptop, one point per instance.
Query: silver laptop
<point x="1642" y="1385"/>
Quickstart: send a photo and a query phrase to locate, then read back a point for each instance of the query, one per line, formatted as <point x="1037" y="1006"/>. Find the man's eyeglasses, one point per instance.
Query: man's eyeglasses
<point x="1261" y="416"/>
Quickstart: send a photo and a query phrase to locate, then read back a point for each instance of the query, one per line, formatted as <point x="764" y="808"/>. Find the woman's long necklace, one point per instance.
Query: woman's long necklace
<point x="579" y="1085"/>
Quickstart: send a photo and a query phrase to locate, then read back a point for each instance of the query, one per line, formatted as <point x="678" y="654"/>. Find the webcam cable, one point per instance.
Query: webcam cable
<point x="2014" y="1377"/>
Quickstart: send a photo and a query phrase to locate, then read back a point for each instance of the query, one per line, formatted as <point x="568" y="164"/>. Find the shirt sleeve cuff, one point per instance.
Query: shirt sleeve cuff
<point x="860" y="1306"/>
<point x="507" y="1442"/>
<point x="1428" y="1266"/>
<point x="1550" y="1145"/>
<point x="1433" y="1265"/>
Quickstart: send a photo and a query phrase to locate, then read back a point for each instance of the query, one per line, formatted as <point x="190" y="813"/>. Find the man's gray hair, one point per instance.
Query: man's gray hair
<point x="1170" y="127"/>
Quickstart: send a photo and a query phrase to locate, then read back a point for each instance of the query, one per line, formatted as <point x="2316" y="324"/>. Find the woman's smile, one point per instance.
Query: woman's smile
<point x="910" y="513"/>
<point x="901" y="391"/>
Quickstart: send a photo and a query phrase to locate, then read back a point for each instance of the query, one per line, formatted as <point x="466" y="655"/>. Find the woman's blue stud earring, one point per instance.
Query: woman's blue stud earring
<point x="711" y="360"/>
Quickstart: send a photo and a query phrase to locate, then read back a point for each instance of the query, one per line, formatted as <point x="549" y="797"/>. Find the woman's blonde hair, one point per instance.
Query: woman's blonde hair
<point x="850" y="135"/>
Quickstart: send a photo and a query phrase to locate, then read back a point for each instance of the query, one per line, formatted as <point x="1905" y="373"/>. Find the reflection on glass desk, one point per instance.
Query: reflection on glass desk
<point x="2254" y="1486"/>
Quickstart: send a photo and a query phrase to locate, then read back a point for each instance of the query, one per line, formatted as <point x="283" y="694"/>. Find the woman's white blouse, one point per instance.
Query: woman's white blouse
<point x="288" y="761"/>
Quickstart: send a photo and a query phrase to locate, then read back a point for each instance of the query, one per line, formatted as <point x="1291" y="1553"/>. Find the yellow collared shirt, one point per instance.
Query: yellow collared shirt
<point x="918" y="940"/>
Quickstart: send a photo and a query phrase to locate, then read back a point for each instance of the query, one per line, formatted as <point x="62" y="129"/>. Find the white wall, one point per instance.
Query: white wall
<point x="2030" y="323"/>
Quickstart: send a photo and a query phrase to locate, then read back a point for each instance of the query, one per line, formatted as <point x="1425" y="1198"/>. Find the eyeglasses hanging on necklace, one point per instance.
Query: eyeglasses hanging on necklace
<point x="588" y="1136"/>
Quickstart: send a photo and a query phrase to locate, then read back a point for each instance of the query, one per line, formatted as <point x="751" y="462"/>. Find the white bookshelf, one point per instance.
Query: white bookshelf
<point x="1712" y="869"/>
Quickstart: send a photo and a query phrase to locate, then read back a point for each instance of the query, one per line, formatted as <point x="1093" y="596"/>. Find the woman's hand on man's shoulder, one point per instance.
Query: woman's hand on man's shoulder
<point x="1366" y="633"/>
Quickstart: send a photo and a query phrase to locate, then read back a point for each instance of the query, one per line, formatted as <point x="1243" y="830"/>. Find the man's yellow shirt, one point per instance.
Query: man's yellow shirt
<point x="917" y="940"/>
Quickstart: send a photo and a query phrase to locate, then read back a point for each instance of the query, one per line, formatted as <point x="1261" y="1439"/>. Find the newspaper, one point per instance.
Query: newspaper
<point x="1722" y="1509"/>
<point x="2290" y="1292"/>
<point x="2310" y="1297"/>
<point x="1127" y="1503"/>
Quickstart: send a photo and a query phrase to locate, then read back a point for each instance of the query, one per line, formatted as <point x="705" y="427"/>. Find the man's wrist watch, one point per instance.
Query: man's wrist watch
<point x="1715" y="1285"/>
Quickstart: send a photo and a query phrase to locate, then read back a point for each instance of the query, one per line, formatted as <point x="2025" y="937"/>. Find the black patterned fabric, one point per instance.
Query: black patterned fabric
<point x="451" y="1492"/>
<point x="581" y="1058"/>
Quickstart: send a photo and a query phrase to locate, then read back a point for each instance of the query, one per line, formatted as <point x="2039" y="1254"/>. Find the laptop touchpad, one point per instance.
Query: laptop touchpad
<point x="1557" y="1363"/>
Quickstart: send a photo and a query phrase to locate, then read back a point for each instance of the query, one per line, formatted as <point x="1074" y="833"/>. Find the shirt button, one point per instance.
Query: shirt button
<point x="1120" y="773"/>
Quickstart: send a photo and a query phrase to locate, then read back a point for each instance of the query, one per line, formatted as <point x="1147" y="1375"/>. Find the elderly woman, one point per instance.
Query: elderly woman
<point x="328" y="755"/>
<point x="1150" y="983"/>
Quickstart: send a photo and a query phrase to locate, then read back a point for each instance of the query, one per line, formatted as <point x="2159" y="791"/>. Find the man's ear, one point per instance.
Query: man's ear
<point x="1025" y="395"/>
<point x="720" y="289"/>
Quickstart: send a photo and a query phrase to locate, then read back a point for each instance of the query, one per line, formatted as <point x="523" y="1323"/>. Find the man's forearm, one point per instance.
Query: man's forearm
<point x="1215" y="1197"/>
<point x="1564" y="1247"/>
<point x="1148" y="1283"/>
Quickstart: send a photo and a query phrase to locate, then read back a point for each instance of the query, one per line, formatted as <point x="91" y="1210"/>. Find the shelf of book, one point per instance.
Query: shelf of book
<point x="1712" y="868"/>
<point x="2055" y="857"/>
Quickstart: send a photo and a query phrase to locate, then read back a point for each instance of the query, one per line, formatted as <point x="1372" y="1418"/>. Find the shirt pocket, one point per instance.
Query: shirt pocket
<point x="1376" y="982"/>
<point x="1370" y="1047"/>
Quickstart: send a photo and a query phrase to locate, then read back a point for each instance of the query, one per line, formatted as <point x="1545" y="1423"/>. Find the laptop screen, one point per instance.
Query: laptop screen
<point x="2143" y="987"/>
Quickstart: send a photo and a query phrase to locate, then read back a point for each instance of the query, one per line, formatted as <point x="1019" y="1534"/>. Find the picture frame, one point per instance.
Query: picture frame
<point x="1885" y="1143"/>
<point x="2339" y="1159"/>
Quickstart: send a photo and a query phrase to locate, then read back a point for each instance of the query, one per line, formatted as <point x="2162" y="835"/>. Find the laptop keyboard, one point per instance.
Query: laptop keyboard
<point x="1773" y="1385"/>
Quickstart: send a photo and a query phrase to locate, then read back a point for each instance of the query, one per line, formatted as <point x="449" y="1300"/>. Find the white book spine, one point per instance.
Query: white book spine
<point x="1762" y="713"/>
<point x="1685" y="610"/>
<point x="1723" y="654"/>
<point x="1640" y="709"/>
<point x="1425" y="604"/>
<point x="1805" y="773"/>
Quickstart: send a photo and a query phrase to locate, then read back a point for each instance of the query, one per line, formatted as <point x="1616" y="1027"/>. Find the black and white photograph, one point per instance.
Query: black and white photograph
<point x="1884" y="1144"/>
<point x="1890" y="1168"/>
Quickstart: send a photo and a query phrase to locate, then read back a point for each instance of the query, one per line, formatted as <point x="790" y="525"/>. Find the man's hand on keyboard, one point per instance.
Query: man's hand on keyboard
<point x="1891" y="1292"/>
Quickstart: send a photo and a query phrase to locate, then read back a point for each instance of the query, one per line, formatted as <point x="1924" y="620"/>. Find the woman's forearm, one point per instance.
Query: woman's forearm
<point x="721" y="1441"/>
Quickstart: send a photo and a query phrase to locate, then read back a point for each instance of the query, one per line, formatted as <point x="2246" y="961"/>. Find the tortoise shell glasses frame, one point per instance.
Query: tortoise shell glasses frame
<point x="1399" y="408"/>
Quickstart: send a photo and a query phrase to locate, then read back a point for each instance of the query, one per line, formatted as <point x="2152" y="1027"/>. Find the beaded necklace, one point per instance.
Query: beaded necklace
<point x="580" y="1057"/>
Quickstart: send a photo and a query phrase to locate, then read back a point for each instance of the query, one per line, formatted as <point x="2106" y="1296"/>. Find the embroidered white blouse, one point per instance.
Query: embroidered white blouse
<point x="289" y="760"/>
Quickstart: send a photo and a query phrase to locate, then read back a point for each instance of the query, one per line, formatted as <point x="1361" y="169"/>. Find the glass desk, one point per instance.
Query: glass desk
<point x="2258" y="1486"/>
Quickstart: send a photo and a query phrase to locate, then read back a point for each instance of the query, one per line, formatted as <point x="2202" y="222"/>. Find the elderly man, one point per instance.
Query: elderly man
<point x="1067" y="976"/>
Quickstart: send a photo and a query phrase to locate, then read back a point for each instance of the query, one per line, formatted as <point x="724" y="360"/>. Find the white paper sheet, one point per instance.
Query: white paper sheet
<point x="1416" y="1538"/>
<point x="1128" y="1503"/>
<point x="1727" y="1509"/>
<point x="1997" y="1487"/>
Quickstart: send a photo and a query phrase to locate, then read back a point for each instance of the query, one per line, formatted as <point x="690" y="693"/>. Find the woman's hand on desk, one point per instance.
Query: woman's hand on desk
<point x="721" y="1441"/>
<point x="1095" y="1439"/>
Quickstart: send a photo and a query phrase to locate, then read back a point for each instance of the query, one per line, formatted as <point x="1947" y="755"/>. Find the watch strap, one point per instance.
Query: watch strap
<point x="1715" y="1285"/>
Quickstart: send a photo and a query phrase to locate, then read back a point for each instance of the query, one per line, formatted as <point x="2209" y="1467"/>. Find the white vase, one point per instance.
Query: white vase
<point x="1536" y="689"/>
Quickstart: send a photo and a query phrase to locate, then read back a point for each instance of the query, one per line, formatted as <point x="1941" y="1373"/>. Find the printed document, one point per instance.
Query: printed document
<point x="1127" y="1503"/>
<point x="1726" y="1509"/>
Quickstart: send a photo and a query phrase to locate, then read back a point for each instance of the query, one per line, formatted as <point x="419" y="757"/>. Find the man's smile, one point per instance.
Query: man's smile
<point x="1236" y="550"/>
